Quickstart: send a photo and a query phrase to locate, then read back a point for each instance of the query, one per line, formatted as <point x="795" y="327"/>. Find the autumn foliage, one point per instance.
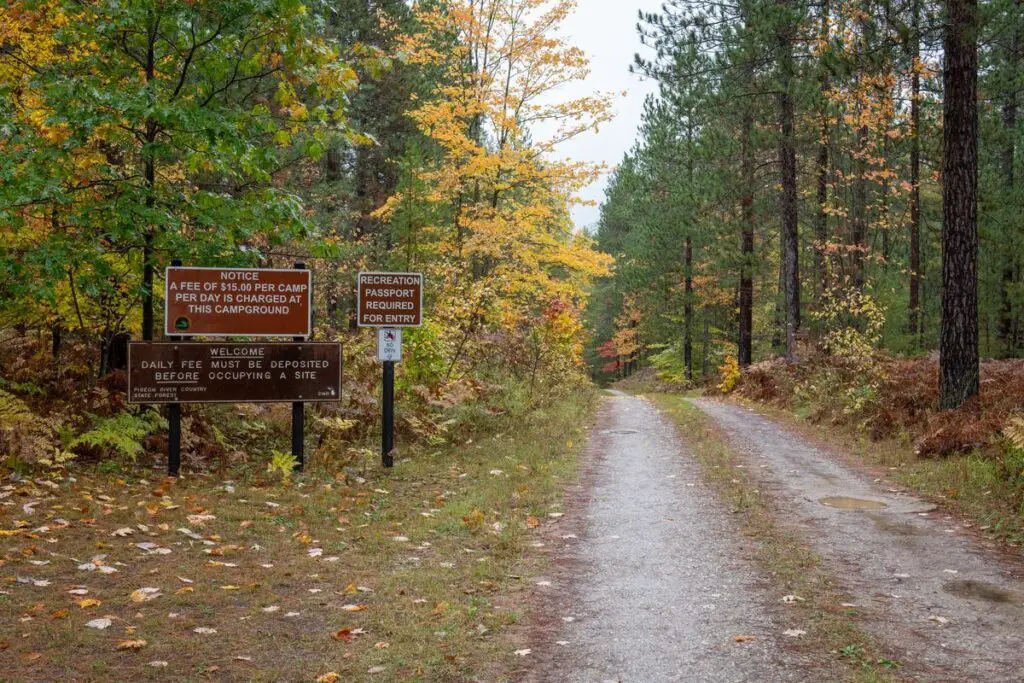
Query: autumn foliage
<point x="420" y="137"/>
<point x="894" y="399"/>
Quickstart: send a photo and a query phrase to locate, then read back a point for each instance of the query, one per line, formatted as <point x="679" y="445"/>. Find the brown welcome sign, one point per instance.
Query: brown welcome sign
<point x="254" y="302"/>
<point x="183" y="372"/>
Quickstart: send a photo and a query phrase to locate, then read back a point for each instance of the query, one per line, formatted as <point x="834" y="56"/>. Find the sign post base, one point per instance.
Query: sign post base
<point x="387" y="442"/>
<point x="299" y="410"/>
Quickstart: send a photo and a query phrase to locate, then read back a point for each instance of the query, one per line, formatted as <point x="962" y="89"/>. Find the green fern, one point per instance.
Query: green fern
<point x="1014" y="431"/>
<point x="283" y="462"/>
<point x="121" y="434"/>
<point x="25" y="437"/>
<point x="12" y="410"/>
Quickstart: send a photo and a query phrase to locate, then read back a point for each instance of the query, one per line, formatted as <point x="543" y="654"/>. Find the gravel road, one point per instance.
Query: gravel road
<point x="660" y="584"/>
<point x="931" y="590"/>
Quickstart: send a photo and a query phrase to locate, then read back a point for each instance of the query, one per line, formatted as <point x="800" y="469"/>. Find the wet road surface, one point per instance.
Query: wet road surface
<point x="662" y="586"/>
<point x="931" y="590"/>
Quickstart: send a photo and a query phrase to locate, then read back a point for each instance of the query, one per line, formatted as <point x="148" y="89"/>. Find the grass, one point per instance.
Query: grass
<point x="833" y="636"/>
<point x="416" y="573"/>
<point x="982" y="487"/>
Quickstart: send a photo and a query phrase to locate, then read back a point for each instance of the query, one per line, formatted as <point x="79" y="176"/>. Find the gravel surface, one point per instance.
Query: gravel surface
<point x="660" y="586"/>
<point x="932" y="591"/>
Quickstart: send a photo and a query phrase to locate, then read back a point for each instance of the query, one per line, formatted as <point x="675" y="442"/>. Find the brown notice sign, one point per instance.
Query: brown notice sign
<point x="221" y="302"/>
<point x="390" y="299"/>
<point x="184" y="372"/>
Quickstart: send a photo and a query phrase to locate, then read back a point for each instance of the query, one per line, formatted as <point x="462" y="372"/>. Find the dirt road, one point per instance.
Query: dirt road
<point x="930" y="591"/>
<point x="660" y="587"/>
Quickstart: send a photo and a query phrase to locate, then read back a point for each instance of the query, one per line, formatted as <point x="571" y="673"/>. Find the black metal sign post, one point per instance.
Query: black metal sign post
<point x="299" y="411"/>
<point x="387" y="442"/>
<point x="174" y="421"/>
<point x="389" y="302"/>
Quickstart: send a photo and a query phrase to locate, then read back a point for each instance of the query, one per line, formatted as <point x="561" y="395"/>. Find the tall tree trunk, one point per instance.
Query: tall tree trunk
<point x="914" y="305"/>
<point x="745" y="350"/>
<point x="688" y="311"/>
<point x="149" y="173"/>
<point x="958" y="344"/>
<point x="704" y="364"/>
<point x="821" y="215"/>
<point x="1008" y="319"/>
<point x="858" y="223"/>
<point x="790" y="262"/>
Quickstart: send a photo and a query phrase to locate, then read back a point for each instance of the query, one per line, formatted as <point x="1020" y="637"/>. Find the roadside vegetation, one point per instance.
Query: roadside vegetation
<point x="110" y="570"/>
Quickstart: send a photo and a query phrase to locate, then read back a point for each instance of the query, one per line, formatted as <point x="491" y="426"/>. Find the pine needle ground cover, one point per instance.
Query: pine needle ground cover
<point x="418" y="573"/>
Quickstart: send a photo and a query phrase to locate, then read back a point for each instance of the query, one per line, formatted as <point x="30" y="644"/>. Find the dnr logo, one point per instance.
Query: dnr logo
<point x="182" y="324"/>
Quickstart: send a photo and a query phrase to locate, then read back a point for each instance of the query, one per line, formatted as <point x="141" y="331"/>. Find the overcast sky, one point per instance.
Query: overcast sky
<point x="606" y="31"/>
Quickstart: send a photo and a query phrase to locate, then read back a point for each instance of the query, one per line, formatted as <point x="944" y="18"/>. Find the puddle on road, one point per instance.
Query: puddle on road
<point x="978" y="590"/>
<point x="848" y="503"/>
<point x="896" y="527"/>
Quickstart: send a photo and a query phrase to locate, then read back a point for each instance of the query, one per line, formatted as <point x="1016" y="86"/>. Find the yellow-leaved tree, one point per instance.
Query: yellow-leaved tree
<point x="509" y="272"/>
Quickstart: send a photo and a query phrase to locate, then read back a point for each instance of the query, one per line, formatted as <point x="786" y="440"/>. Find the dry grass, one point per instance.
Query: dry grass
<point x="834" y="637"/>
<point x="297" y="580"/>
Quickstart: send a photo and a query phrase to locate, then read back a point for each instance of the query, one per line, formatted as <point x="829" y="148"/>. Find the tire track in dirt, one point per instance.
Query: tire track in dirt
<point x="955" y="610"/>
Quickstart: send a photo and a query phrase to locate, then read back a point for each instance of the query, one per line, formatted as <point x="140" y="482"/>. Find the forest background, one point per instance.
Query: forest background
<point x="826" y="198"/>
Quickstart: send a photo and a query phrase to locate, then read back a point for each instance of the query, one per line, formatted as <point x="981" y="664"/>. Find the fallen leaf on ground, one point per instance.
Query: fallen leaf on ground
<point x="131" y="644"/>
<point x="789" y="599"/>
<point x="354" y="608"/>
<point x="89" y="602"/>
<point x="939" y="620"/>
<point x="745" y="639"/>
<point x="344" y="635"/>
<point x="158" y="664"/>
<point x="99" y="623"/>
<point x="329" y="677"/>
<point x="522" y="653"/>
<point x="59" y="614"/>
<point x="532" y="522"/>
<point x="145" y="594"/>
<point x="376" y="669"/>
<point x="794" y="632"/>
<point x="204" y="630"/>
